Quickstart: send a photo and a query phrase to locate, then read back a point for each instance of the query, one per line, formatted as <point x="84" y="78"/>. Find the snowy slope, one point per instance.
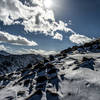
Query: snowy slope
<point x="70" y="75"/>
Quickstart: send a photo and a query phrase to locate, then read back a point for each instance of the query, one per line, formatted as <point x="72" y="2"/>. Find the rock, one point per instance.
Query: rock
<point x="50" y="66"/>
<point x="51" y="57"/>
<point x="26" y="82"/>
<point x="41" y="79"/>
<point x="52" y="93"/>
<point x="10" y="98"/>
<point x="20" y="93"/>
<point x="38" y="92"/>
<point x="29" y="65"/>
<point x="52" y="71"/>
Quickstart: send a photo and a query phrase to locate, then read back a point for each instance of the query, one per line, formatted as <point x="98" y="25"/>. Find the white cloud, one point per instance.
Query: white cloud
<point x="79" y="39"/>
<point x="58" y="36"/>
<point x="42" y="52"/>
<point x="17" y="40"/>
<point x="2" y="47"/>
<point x="34" y="14"/>
<point x="32" y="51"/>
<point x="22" y="50"/>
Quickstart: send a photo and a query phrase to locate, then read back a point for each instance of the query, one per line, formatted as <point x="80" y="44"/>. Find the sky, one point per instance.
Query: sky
<point x="47" y="26"/>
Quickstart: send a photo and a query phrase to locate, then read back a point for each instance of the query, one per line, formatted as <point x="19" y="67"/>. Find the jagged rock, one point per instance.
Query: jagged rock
<point x="87" y="63"/>
<point x="86" y="59"/>
<point x="64" y="55"/>
<point x="51" y="57"/>
<point x="66" y="51"/>
<point x="38" y="66"/>
<point x="52" y="71"/>
<point x="38" y="92"/>
<point x="10" y="75"/>
<point x="20" y="93"/>
<point x="27" y="81"/>
<point x="52" y="93"/>
<point x="46" y="60"/>
<point x="62" y="76"/>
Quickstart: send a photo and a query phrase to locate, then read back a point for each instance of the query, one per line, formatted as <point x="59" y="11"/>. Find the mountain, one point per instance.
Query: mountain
<point x="11" y="62"/>
<point x="73" y="74"/>
<point x="4" y="53"/>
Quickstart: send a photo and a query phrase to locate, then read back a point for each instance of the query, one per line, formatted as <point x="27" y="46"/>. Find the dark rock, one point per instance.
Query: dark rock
<point x="38" y="66"/>
<point x="41" y="79"/>
<point x="46" y="60"/>
<point x="20" y="93"/>
<point x="86" y="59"/>
<point x="75" y="68"/>
<point x="38" y="92"/>
<point x="62" y="76"/>
<point x="10" y="98"/>
<point x="52" y="71"/>
<point x="40" y="86"/>
<point x="52" y="93"/>
<point x="29" y="66"/>
<point x="26" y="82"/>
<point x="51" y="57"/>
<point x="70" y="94"/>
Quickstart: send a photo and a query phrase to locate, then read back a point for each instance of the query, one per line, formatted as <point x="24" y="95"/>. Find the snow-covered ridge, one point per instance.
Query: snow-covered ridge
<point x="70" y="75"/>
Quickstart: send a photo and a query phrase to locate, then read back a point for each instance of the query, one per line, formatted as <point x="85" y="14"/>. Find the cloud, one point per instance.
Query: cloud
<point x="2" y="47"/>
<point x="35" y="17"/>
<point x="16" y="40"/>
<point x="79" y="39"/>
<point x="58" y="36"/>
<point x="31" y="51"/>
<point x="42" y="52"/>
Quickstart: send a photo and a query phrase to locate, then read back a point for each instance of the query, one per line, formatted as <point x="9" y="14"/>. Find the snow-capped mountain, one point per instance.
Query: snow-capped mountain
<point x="73" y="74"/>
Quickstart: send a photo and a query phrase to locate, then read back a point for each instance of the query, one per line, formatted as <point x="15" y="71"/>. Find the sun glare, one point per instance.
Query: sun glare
<point x="48" y="3"/>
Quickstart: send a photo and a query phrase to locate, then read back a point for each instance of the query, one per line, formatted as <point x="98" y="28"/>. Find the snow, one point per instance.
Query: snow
<point x="75" y="78"/>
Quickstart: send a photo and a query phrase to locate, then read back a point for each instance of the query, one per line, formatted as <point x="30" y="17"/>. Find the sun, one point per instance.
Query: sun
<point x="48" y="3"/>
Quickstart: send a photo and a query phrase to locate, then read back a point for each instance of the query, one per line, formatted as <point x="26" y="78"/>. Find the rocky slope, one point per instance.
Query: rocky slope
<point x="73" y="74"/>
<point x="10" y="63"/>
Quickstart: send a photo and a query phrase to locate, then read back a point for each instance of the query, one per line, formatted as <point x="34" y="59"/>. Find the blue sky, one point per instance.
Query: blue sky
<point x="84" y="14"/>
<point x="82" y="17"/>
